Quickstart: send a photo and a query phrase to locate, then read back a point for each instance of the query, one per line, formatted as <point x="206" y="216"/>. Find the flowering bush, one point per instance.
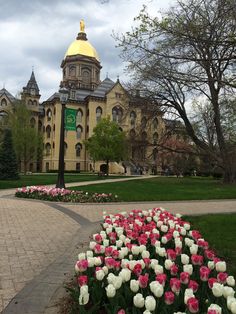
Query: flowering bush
<point x="63" y="195"/>
<point x="151" y="262"/>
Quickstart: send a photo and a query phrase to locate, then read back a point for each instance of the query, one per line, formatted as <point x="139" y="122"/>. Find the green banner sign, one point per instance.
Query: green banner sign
<point x="70" y="119"/>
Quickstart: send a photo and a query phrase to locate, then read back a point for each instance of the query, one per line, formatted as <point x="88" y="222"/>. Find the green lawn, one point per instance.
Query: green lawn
<point x="220" y="231"/>
<point x="43" y="179"/>
<point x="166" y="189"/>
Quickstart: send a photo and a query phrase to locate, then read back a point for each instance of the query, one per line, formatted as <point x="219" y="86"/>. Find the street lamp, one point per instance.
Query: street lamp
<point x="64" y="93"/>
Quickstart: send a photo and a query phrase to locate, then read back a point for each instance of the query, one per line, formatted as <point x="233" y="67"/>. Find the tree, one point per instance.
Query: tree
<point x="107" y="143"/>
<point x="189" y="53"/>
<point x="8" y="162"/>
<point x="26" y="139"/>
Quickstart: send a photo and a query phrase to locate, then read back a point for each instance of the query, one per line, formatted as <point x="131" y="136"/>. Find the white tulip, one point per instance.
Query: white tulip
<point x="156" y="288"/>
<point x="100" y="275"/>
<point x="193" y="249"/>
<point x="233" y="307"/>
<point x="228" y="292"/>
<point x="221" y="266"/>
<point x="164" y="228"/>
<point x="83" y="299"/>
<point x="183" y="232"/>
<point x="135" y="249"/>
<point x="150" y="303"/>
<point x="106" y="242"/>
<point x="164" y="240"/>
<point x="105" y="269"/>
<point x="89" y="253"/>
<point x="125" y="274"/>
<point x="158" y="269"/>
<point x="230" y="281"/>
<point x="142" y="248"/>
<point x="217" y="289"/>
<point x="111" y="291"/>
<point x="230" y="300"/>
<point x="110" y="278"/>
<point x="97" y="261"/>
<point x="117" y="282"/>
<point x="188" y="269"/>
<point x="187" y="295"/>
<point x="90" y="261"/>
<point x="92" y="245"/>
<point x="145" y="254"/>
<point x="139" y="300"/>
<point x="211" y="265"/>
<point x="147" y="312"/>
<point x="134" y="285"/>
<point x="187" y="226"/>
<point x="81" y="256"/>
<point x="184" y="259"/>
<point x="168" y="264"/>
<point x="154" y="262"/>
<point x="84" y="290"/>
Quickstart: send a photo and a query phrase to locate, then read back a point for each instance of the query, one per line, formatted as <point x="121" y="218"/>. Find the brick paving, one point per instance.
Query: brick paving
<point x="38" y="240"/>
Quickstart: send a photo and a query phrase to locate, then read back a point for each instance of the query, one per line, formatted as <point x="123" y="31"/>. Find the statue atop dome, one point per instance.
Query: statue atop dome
<point x="82" y="26"/>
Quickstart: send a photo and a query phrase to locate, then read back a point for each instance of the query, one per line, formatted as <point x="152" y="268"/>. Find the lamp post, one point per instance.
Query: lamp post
<point x="64" y="93"/>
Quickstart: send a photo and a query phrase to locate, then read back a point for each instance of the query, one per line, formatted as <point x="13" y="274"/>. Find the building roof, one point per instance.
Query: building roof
<point x="103" y="88"/>
<point x="3" y="92"/>
<point x="31" y="85"/>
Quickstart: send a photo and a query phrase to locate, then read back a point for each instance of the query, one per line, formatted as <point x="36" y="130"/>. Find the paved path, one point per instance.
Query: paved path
<point x="39" y="242"/>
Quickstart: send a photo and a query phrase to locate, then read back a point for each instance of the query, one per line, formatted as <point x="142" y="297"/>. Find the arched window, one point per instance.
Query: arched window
<point x="78" y="148"/>
<point x="98" y="114"/>
<point x="3" y="117"/>
<point x="30" y="102"/>
<point x="155" y="138"/>
<point x="32" y="122"/>
<point x="72" y="71"/>
<point x="3" y="102"/>
<point x="143" y="122"/>
<point x="65" y="148"/>
<point x="49" y="114"/>
<point x="154" y="153"/>
<point x="132" y="133"/>
<point x="86" y="78"/>
<point x="35" y="103"/>
<point x="117" y="114"/>
<point x="132" y="118"/>
<point x="79" y="116"/>
<point x="48" y="149"/>
<point x="48" y="131"/>
<point x="40" y="126"/>
<point x="155" y="123"/>
<point x="144" y="136"/>
<point x="79" y="131"/>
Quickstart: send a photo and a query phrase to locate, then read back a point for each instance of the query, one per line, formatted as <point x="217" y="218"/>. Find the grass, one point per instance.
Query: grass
<point x="220" y="231"/>
<point x="44" y="179"/>
<point x="166" y="189"/>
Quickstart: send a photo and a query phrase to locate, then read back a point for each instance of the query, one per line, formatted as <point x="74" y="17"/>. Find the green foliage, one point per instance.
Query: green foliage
<point x="108" y="142"/>
<point x="8" y="162"/>
<point x="27" y="142"/>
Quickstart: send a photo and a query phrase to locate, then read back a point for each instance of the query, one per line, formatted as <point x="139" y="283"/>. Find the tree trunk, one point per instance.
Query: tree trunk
<point x="25" y="167"/>
<point x="229" y="170"/>
<point x="107" y="163"/>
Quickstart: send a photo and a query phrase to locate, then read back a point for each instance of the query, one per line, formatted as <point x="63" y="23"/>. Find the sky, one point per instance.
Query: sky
<point x="37" y="33"/>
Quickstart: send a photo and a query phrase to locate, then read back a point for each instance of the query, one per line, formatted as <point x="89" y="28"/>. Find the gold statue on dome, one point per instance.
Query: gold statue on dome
<point x="82" y="26"/>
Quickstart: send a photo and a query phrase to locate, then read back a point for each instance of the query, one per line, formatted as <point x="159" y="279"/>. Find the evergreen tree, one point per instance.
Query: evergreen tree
<point x="8" y="162"/>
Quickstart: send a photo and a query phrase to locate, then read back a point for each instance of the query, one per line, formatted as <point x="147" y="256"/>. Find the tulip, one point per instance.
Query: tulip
<point x="169" y="297"/>
<point x="193" y="305"/>
<point x="111" y="291"/>
<point x="150" y="303"/>
<point x="217" y="289"/>
<point x="139" y="300"/>
<point x="134" y="285"/>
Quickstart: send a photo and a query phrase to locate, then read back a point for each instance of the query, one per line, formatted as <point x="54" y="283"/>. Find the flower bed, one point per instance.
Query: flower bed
<point x="63" y="195"/>
<point x="151" y="262"/>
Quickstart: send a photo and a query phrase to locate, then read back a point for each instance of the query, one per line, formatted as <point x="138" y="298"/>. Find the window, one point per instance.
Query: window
<point x="72" y="94"/>
<point x="132" y="118"/>
<point x="48" y="149"/>
<point x="35" y="103"/>
<point x="48" y="131"/>
<point x="79" y="131"/>
<point x="98" y="114"/>
<point x="118" y="95"/>
<point x="47" y="166"/>
<point x="155" y="123"/>
<point x="3" y="102"/>
<point x="117" y="114"/>
<point x="30" y="102"/>
<point x="78" y="148"/>
<point x="3" y="117"/>
<point x="86" y="78"/>
<point x="155" y="138"/>
<point x="40" y="126"/>
<point x="154" y="153"/>
<point x="144" y="136"/>
<point x="79" y="116"/>
<point x="143" y="122"/>
<point x="72" y="71"/>
<point x="49" y="114"/>
<point x="32" y="122"/>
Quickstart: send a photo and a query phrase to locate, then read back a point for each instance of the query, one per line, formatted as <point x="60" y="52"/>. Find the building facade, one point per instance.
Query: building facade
<point x="93" y="100"/>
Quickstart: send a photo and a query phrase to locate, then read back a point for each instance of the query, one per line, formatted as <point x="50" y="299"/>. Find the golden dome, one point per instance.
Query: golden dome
<point x="82" y="47"/>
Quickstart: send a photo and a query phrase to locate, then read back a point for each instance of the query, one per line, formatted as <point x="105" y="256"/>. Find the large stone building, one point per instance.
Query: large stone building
<point x="93" y="99"/>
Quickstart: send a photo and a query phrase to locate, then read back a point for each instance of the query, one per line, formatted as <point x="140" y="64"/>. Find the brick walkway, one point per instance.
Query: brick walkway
<point x="39" y="241"/>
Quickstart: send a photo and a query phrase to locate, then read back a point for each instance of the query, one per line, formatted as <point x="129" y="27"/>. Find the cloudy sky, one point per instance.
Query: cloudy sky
<point x="38" y="32"/>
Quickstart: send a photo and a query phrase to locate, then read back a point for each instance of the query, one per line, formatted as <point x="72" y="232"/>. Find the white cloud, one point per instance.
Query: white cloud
<point x="37" y="33"/>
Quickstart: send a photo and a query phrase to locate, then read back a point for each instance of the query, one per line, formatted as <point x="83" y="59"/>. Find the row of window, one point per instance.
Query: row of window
<point x="77" y="166"/>
<point x="132" y="135"/>
<point x="32" y="102"/>
<point x="78" y="148"/>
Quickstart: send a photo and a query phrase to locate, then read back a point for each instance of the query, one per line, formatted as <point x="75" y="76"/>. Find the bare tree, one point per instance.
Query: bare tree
<point x="188" y="54"/>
